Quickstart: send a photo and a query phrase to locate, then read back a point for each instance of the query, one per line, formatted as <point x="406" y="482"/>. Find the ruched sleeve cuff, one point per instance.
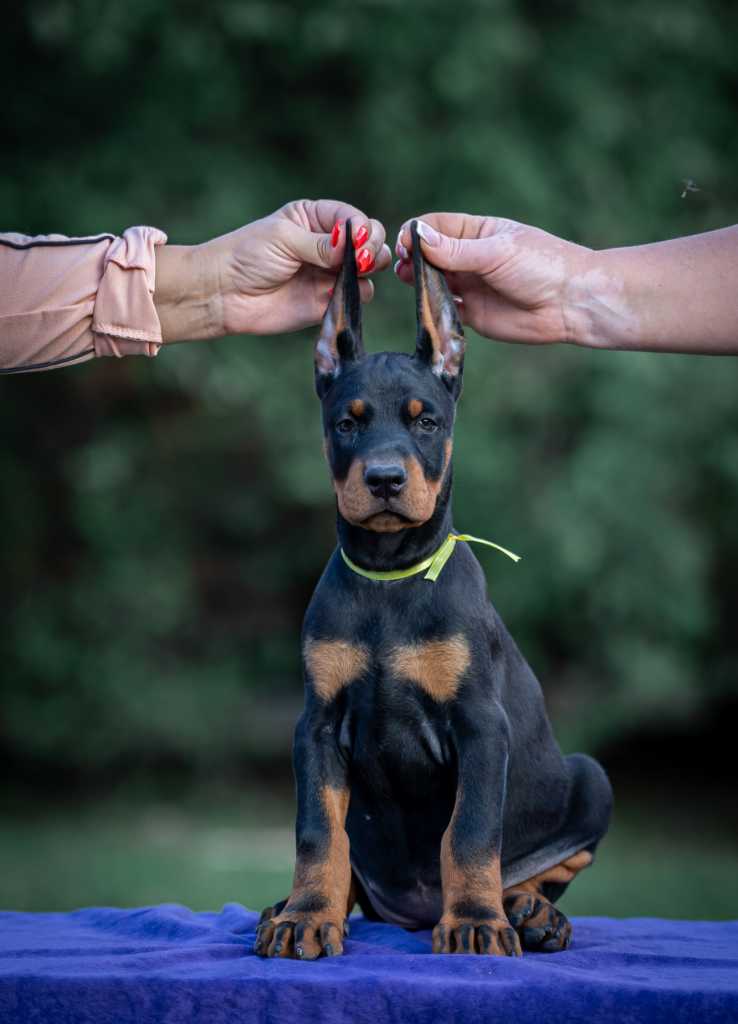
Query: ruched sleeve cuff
<point x="124" y="319"/>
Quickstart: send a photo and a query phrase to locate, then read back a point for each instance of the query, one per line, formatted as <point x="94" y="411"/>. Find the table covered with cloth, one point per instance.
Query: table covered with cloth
<point x="169" y="964"/>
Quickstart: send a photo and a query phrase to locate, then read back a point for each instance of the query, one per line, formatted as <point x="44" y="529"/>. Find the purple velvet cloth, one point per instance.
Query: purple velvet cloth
<point x="166" y="963"/>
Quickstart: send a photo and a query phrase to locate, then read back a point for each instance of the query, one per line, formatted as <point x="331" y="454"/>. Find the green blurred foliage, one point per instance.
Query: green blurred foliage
<point x="164" y="521"/>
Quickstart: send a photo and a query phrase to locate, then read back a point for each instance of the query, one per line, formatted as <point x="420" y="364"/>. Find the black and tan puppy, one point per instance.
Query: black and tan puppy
<point x="430" y="787"/>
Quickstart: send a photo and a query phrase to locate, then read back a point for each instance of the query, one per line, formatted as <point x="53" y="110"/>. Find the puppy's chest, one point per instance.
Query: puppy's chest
<point x="393" y="672"/>
<point x="393" y="698"/>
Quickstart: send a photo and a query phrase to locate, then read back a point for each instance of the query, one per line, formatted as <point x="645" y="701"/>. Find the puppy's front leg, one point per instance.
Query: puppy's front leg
<point x="473" y="918"/>
<point x="311" y="922"/>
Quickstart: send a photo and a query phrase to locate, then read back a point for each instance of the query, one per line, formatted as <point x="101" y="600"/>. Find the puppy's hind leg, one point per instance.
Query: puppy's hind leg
<point x="541" y="926"/>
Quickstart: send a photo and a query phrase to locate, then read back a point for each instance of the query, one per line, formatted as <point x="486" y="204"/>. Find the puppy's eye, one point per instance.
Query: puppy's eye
<point x="345" y="426"/>
<point x="427" y="424"/>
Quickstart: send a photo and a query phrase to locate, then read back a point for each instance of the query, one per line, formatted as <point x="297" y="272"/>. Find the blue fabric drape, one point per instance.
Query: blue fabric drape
<point x="167" y="963"/>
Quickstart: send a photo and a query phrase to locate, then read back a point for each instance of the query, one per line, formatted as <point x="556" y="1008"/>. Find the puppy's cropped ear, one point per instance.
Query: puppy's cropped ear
<point x="340" y="333"/>
<point x="440" y="340"/>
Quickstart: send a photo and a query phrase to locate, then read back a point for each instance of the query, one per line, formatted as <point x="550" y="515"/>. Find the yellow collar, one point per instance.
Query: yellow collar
<point x="434" y="563"/>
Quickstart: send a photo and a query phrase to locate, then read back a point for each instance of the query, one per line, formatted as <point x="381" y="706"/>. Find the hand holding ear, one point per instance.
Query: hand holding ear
<point x="271" y="276"/>
<point x="513" y="280"/>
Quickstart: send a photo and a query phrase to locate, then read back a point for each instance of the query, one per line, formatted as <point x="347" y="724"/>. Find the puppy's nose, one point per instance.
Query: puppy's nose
<point x="385" y="480"/>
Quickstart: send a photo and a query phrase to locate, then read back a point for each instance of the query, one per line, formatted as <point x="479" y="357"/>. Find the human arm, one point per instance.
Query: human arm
<point x="66" y="300"/>
<point x="519" y="283"/>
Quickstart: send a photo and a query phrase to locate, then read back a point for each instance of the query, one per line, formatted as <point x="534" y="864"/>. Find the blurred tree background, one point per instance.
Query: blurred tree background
<point x="164" y="521"/>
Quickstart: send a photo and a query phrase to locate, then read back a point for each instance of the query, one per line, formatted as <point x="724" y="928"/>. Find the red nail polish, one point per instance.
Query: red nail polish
<point x="330" y="293"/>
<point x="335" y="233"/>
<point x="361" y="236"/>
<point x="364" y="261"/>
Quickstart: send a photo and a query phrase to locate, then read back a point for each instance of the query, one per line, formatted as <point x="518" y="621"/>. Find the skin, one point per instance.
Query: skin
<point x="518" y="283"/>
<point x="271" y="276"/>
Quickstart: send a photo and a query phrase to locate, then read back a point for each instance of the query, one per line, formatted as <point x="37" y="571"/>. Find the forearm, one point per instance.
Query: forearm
<point x="322" y="845"/>
<point x="188" y="294"/>
<point x="674" y="296"/>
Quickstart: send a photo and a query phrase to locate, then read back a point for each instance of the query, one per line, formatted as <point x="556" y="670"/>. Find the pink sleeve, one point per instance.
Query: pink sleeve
<point x="66" y="300"/>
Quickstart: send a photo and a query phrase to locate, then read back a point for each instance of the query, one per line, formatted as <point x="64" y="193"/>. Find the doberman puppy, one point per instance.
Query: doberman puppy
<point x="430" y="787"/>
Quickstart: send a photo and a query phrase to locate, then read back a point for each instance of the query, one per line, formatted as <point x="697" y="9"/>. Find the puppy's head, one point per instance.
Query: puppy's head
<point x="388" y="418"/>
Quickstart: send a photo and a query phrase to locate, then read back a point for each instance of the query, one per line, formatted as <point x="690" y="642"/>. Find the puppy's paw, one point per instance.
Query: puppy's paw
<point x="541" y="926"/>
<point x="490" y="935"/>
<point x="302" y="935"/>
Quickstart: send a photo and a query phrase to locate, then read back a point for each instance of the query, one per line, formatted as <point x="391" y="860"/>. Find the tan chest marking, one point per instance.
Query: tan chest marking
<point x="436" y="666"/>
<point x="333" y="664"/>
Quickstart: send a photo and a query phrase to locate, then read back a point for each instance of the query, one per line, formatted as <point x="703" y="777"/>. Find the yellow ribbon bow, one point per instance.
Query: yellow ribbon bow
<point x="434" y="563"/>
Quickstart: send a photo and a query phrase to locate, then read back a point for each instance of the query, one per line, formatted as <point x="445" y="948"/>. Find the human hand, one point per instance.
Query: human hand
<point x="513" y="281"/>
<point x="271" y="276"/>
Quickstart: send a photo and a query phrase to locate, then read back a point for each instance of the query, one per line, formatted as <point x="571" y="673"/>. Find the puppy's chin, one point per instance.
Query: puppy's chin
<point x="387" y="522"/>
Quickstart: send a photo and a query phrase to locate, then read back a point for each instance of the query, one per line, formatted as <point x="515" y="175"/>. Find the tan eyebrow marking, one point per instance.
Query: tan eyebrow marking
<point x="415" y="407"/>
<point x="357" y="408"/>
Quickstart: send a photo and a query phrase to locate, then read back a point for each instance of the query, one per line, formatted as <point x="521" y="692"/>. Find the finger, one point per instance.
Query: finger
<point x="457" y="225"/>
<point x="371" y="251"/>
<point x="368" y="238"/>
<point x="312" y="247"/>
<point x="325" y="220"/>
<point x="366" y="263"/>
<point x="404" y="270"/>
<point x="461" y="255"/>
<point x="321" y="214"/>
<point x="372" y="238"/>
<point x="383" y="259"/>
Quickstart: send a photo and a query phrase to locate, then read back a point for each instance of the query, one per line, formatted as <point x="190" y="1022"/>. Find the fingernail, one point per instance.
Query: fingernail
<point x="458" y="300"/>
<point x="330" y="292"/>
<point x="397" y="266"/>
<point x="361" y="236"/>
<point x="429" y="235"/>
<point x="364" y="261"/>
<point x="402" y="252"/>
<point x="336" y="233"/>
